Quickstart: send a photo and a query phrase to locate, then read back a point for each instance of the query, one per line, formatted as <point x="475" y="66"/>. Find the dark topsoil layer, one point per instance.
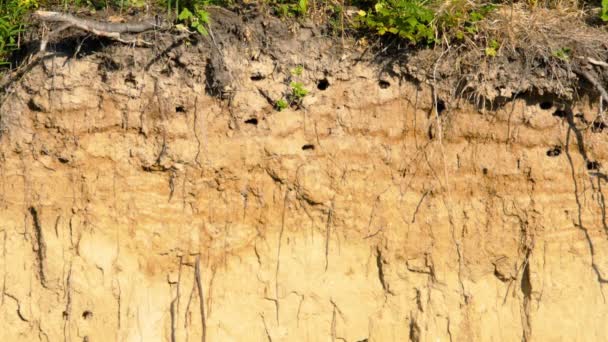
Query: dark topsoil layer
<point x="528" y="63"/>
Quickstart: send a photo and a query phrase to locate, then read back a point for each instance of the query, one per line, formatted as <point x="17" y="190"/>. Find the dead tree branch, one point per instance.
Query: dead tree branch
<point x="102" y="29"/>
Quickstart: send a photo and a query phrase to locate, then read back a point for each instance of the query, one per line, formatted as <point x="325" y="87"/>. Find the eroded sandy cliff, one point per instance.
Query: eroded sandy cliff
<point x="128" y="193"/>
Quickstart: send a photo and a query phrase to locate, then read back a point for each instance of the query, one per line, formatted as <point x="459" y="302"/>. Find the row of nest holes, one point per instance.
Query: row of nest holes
<point x="592" y="165"/>
<point x="597" y="126"/>
<point x="85" y="315"/>
<point x="323" y="84"/>
<point x="553" y="152"/>
<point x="254" y="121"/>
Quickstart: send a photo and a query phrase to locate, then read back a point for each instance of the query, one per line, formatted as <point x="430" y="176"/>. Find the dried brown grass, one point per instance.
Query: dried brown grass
<point x="541" y="51"/>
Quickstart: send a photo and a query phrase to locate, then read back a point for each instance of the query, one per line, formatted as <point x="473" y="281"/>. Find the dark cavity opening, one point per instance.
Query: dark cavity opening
<point x="593" y="165"/>
<point x="581" y="117"/>
<point x="598" y="126"/>
<point x="484" y="170"/>
<point x="130" y="79"/>
<point x="546" y="105"/>
<point x="384" y="84"/>
<point x="440" y="106"/>
<point x="180" y="109"/>
<point x="109" y="64"/>
<point x="323" y="84"/>
<point x="31" y="104"/>
<point x="308" y="147"/>
<point x="87" y="314"/>
<point x="554" y="152"/>
<point x="257" y="77"/>
<point x="560" y="113"/>
<point x="252" y="121"/>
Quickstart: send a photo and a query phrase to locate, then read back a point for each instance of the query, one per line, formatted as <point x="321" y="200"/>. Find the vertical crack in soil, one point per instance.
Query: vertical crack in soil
<point x="266" y="328"/>
<point x="414" y="330"/>
<point x="276" y="273"/>
<point x="40" y="246"/>
<point x="526" y="290"/>
<point x="379" y="264"/>
<point x="174" y="307"/>
<point x="328" y="234"/>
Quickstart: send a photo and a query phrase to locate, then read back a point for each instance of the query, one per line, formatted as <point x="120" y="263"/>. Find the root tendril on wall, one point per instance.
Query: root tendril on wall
<point x="328" y="234"/>
<point x="276" y="274"/>
<point x="201" y="296"/>
<point x="579" y="221"/>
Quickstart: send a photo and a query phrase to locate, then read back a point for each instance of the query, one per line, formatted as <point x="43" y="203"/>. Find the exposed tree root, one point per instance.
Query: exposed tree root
<point x="587" y="73"/>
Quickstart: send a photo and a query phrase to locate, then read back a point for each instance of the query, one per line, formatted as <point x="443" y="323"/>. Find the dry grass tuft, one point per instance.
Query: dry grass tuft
<point x="540" y="51"/>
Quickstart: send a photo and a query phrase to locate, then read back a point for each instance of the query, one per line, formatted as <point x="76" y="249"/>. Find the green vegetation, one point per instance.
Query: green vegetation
<point x="289" y="8"/>
<point x="424" y="21"/>
<point x="12" y="24"/>
<point x="416" y="22"/>
<point x="280" y="105"/>
<point x="409" y="19"/>
<point x="562" y="54"/>
<point x="197" y="20"/>
<point x="298" y="91"/>
<point x="492" y="48"/>
<point x="297" y="71"/>
<point x="13" y="15"/>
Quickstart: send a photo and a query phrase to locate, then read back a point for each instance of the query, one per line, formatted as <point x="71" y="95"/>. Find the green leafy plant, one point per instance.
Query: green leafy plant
<point x="476" y="15"/>
<point x="492" y="48"/>
<point x="562" y="54"/>
<point x="290" y="8"/>
<point x="604" y="11"/>
<point x="298" y="91"/>
<point x="196" y="20"/>
<point x="480" y="13"/>
<point x="280" y="105"/>
<point x="409" y="19"/>
<point x="12" y="13"/>
<point x="191" y="13"/>
<point x="297" y="71"/>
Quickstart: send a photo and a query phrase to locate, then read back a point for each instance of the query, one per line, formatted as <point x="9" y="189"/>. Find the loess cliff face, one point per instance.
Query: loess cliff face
<point x="135" y="206"/>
